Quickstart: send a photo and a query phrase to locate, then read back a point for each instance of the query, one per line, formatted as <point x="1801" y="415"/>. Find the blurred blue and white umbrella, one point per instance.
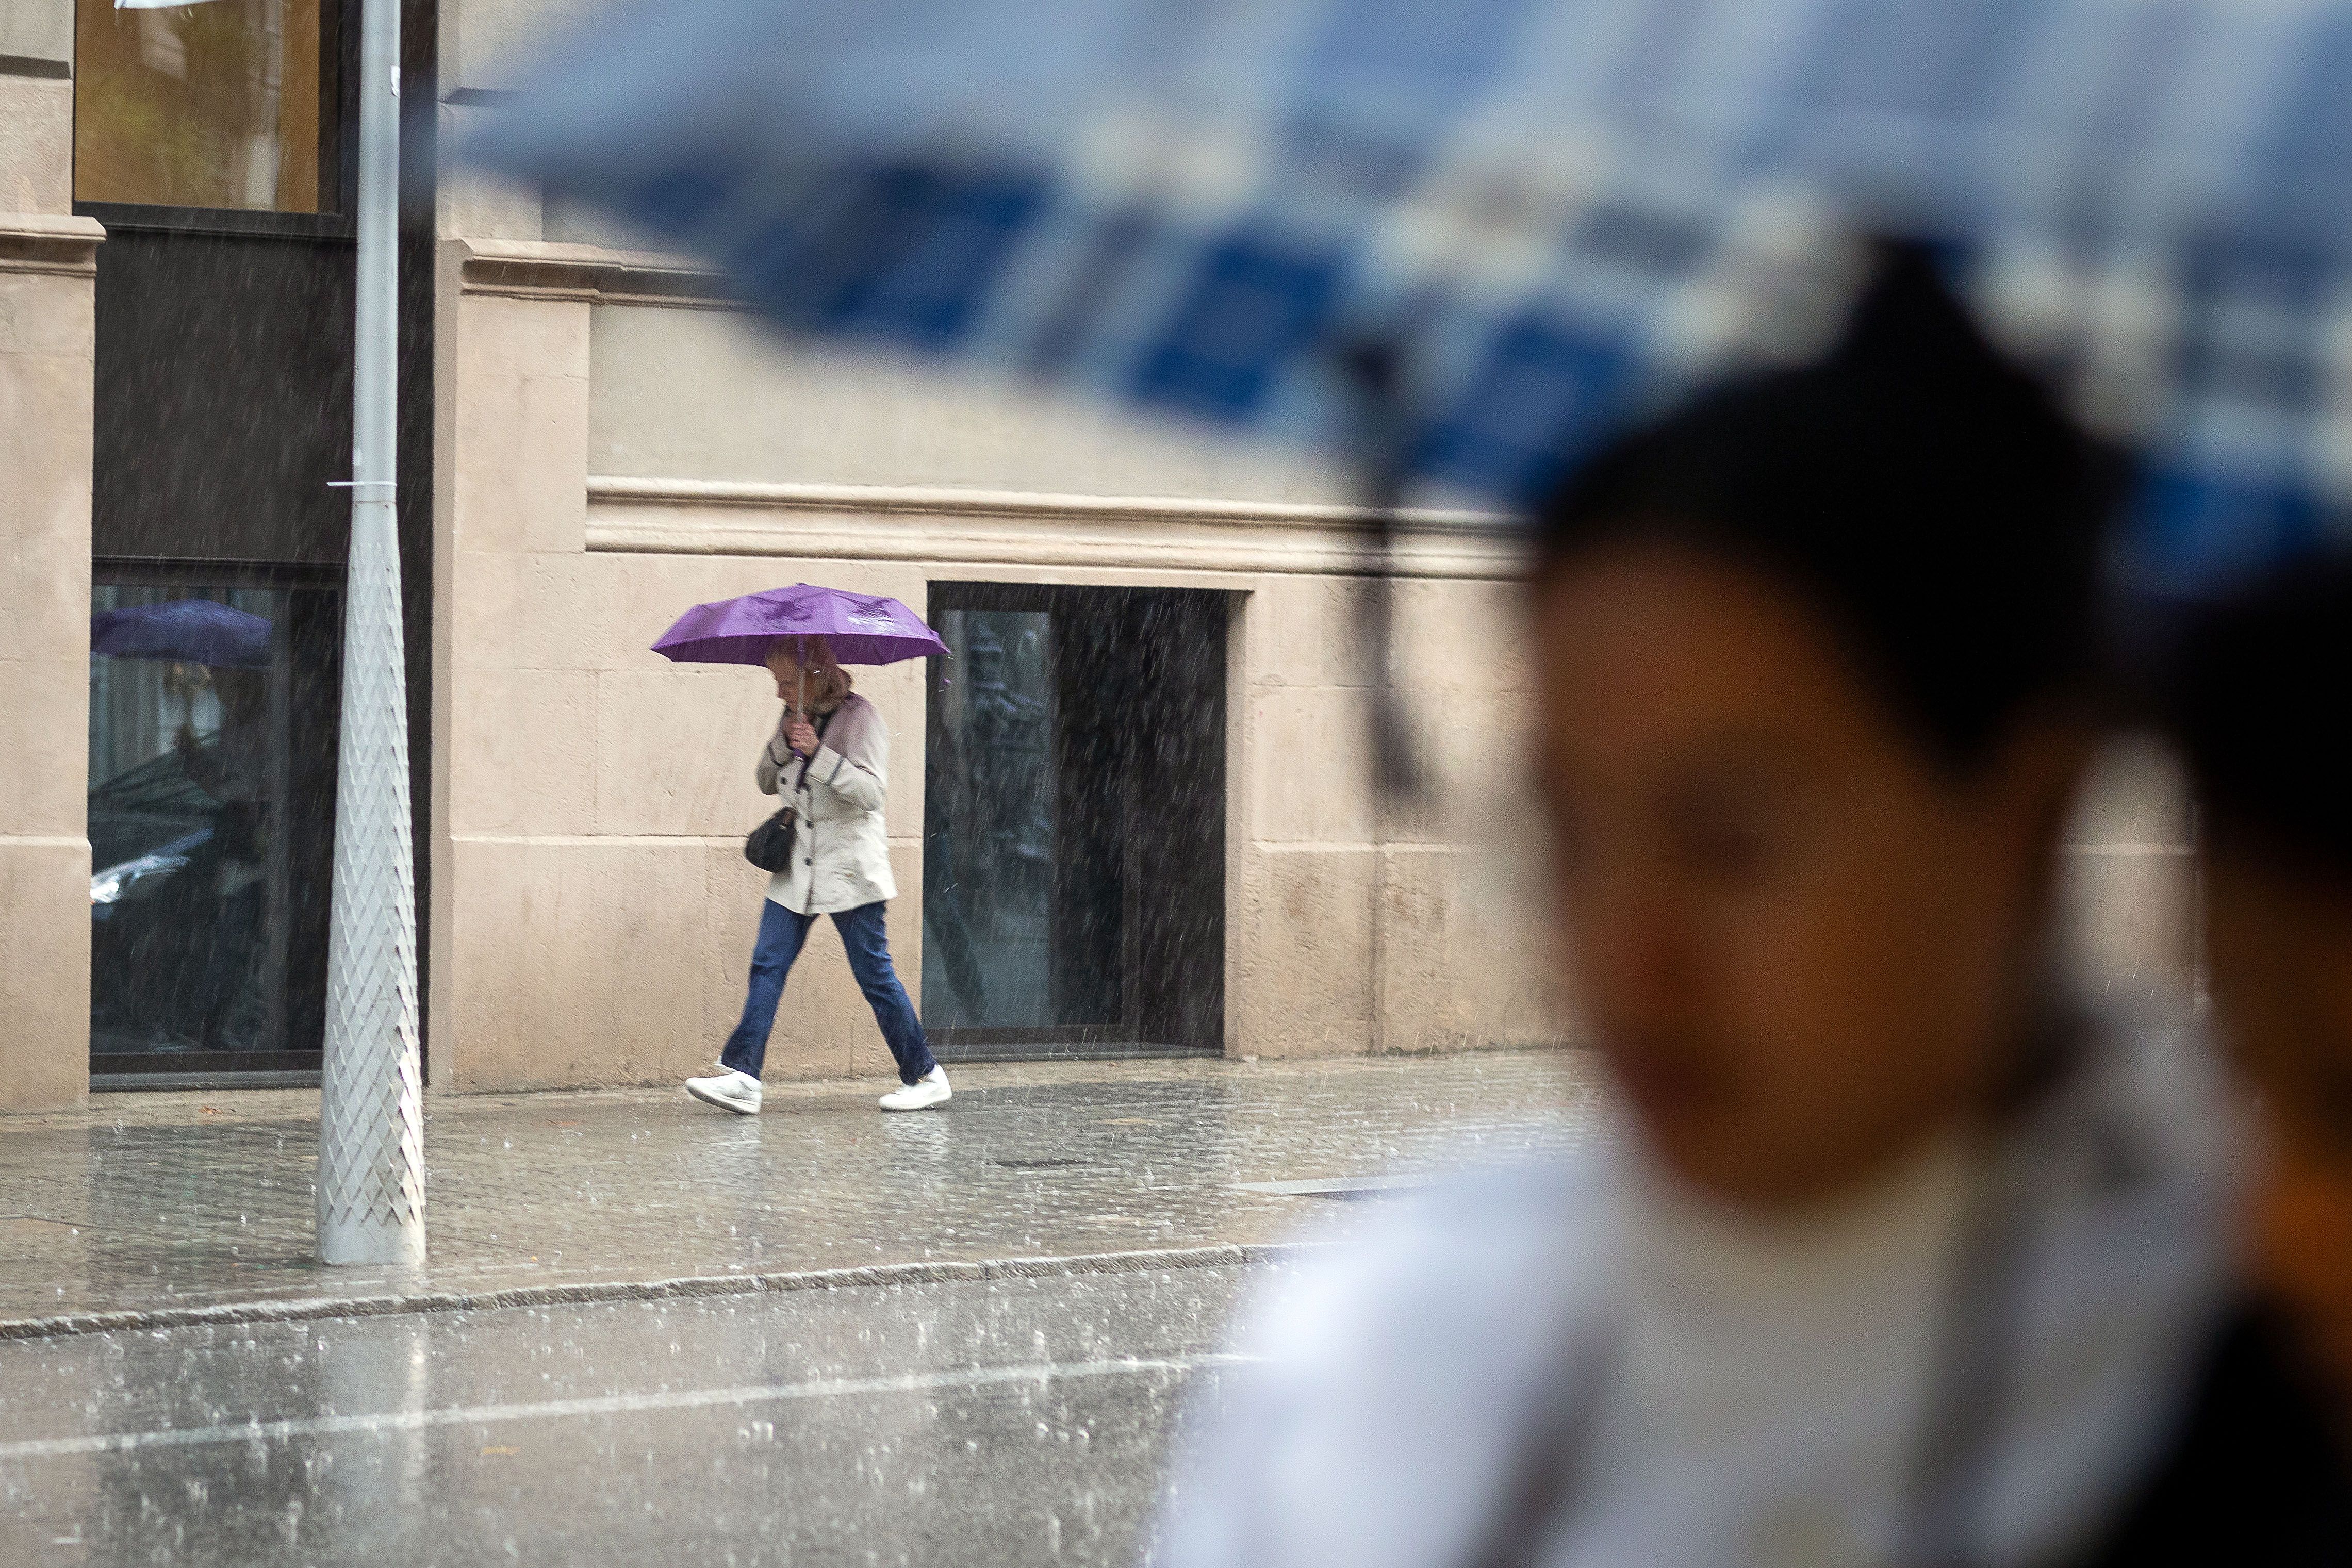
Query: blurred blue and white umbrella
<point x="1561" y="210"/>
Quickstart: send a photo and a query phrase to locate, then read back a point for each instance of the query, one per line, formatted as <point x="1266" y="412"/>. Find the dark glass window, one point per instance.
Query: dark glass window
<point x="1073" y="821"/>
<point x="211" y="820"/>
<point x="223" y="104"/>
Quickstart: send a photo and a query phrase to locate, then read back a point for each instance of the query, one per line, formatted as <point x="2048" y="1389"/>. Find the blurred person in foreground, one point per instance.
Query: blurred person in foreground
<point x="1901" y="1256"/>
<point x="2260" y="693"/>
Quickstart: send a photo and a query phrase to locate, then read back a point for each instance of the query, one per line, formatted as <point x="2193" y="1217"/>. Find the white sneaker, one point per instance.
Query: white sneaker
<point x="930" y="1090"/>
<point x="729" y="1091"/>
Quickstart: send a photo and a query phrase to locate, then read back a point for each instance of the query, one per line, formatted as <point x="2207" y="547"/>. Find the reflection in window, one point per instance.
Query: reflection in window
<point x="987" y="864"/>
<point x="188" y="757"/>
<point x="212" y="104"/>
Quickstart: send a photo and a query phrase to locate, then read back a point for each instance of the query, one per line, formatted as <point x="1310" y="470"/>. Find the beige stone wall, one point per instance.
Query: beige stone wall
<point x="48" y="275"/>
<point x="613" y="452"/>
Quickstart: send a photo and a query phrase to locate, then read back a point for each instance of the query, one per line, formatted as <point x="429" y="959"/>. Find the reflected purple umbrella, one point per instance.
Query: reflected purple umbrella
<point x="194" y="630"/>
<point x="862" y="628"/>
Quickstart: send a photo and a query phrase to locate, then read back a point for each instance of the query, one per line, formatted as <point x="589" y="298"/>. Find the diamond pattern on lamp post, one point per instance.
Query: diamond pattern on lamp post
<point x="371" y="1100"/>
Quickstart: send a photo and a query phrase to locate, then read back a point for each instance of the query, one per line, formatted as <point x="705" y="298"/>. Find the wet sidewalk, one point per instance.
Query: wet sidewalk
<point x="164" y="1203"/>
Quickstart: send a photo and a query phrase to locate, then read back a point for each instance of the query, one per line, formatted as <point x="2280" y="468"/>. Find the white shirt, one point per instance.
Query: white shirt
<point x="1755" y="1389"/>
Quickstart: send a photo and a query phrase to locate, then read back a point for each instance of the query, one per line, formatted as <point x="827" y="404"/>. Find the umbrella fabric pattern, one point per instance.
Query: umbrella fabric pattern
<point x="862" y="628"/>
<point x="196" y="631"/>
<point x="1564" y="210"/>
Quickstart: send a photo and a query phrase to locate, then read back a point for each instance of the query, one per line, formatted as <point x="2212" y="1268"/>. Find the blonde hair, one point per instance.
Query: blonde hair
<point x="828" y="684"/>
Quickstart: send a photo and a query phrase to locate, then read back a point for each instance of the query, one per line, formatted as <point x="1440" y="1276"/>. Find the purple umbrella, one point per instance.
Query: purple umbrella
<point x="863" y="630"/>
<point x="196" y="631"/>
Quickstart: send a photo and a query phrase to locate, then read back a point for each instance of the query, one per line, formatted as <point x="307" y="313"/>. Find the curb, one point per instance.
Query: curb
<point x="311" y="1309"/>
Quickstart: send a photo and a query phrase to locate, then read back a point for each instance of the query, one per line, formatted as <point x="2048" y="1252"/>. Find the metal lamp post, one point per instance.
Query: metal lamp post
<point x="372" y="1104"/>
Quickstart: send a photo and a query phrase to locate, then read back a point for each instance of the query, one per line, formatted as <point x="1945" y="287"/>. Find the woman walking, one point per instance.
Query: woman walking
<point x="831" y="752"/>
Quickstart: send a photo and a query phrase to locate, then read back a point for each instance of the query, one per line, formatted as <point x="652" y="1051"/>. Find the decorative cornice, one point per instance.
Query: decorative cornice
<point x="950" y="526"/>
<point x="40" y="242"/>
<point x="1032" y="530"/>
<point x="547" y="269"/>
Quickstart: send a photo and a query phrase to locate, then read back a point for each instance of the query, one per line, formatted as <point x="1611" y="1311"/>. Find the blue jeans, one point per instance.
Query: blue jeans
<point x="782" y="934"/>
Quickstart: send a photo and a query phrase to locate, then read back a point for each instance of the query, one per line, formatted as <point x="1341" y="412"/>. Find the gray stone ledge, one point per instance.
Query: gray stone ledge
<point x="39" y="241"/>
<point x="549" y="269"/>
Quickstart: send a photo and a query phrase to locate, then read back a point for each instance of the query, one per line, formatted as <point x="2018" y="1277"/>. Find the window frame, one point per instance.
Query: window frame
<point x="339" y="158"/>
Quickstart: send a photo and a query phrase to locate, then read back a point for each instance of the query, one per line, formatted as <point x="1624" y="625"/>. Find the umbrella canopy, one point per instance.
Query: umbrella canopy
<point x="196" y="631"/>
<point x="863" y="630"/>
<point x="1564" y="210"/>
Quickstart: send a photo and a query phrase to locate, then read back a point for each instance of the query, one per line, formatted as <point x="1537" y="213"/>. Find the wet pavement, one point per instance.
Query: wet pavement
<point x="1011" y="1422"/>
<point x="190" y="1200"/>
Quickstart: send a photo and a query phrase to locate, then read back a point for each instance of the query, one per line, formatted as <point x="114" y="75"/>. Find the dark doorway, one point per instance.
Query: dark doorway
<point x="216" y="144"/>
<point x="1073" y="842"/>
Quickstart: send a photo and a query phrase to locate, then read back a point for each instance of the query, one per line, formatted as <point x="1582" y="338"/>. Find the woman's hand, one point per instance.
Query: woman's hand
<point x="800" y="736"/>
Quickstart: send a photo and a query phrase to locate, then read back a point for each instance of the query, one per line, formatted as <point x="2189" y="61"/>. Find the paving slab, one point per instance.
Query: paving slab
<point x="181" y="1201"/>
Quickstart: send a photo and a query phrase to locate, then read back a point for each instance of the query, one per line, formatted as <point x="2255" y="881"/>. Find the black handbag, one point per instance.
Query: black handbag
<point x="769" y="846"/>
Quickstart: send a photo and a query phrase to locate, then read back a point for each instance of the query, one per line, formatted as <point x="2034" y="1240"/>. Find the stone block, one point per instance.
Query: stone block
<point x="1426" y="1001"/>
<point x="35" y="143"/>
<point x="509" y="337"/>
<point x="45" y="441"/>
<point x="45" y="599"/>
<point x="52" y="315"/>
<point x="522" y="751"/>
<point x="521" y="467"/>
<point x="1313" y="782"/>
<point x="44" y="744"/>
<point x="1467" y="958"/>
<point x="1475" y="752"/>
<point x="1455" y="636"/>
<point x="45" y="983"/>
<point x="674" y="748"/>
<point x="1302" y="632"/>
<point x="572" y="963"/>
<point x="477" y="205"/>
<point x="487" y="600"/>
<point x="1304" y="985"/>
<point x="37" y="29"/>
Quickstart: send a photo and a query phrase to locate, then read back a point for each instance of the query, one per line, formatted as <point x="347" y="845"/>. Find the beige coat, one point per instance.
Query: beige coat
<point x="841" y="851"/>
